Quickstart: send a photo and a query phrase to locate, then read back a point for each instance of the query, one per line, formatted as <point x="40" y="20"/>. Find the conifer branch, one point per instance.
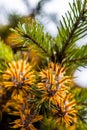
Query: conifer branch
<point x="34" y="33"/>
<point x="35" y="42"/>
<point x="78" y="59"/>
<point x="75" y="26"/>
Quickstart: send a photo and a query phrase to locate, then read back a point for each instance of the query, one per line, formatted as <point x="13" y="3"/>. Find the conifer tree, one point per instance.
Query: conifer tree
<point x="36" y="74"/>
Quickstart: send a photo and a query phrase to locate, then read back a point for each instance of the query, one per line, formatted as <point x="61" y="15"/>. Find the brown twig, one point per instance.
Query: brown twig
<point x="36" y="43"/>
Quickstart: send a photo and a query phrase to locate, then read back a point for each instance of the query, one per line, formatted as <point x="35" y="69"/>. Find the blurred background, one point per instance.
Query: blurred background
<point x="47" y="12"/>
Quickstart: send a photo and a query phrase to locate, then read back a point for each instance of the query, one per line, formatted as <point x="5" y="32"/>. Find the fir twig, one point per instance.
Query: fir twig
<point x="35" y="42"/>
<point x="75" y="26"/>
<point x="78" y="59"/>
<point x="33" y="34"/>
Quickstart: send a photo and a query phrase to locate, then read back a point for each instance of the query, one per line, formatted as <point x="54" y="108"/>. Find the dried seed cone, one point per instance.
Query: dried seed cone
<point x="67" y="113"/>
<point x="18" y="78"/>
<point x="27" y="117"/>
<point x="54" y="83"/>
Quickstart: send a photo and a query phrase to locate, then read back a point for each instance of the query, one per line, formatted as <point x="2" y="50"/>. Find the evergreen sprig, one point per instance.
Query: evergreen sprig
<point x="32" y="34"/>
<point x="73" y="27"/>
<point x="76" y="56"/>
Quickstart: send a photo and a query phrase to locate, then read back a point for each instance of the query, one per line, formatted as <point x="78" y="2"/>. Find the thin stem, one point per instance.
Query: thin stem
<point x="36" y="43"/>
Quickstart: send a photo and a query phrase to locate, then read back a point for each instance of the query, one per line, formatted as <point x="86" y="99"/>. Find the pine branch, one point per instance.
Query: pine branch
<point x="31" y="33"/>
<point x="73" y="28"/>
<point x="71" y="34"/>
<point x="35" y="42"/>
<point x="76" y="56"/>
<point x="78" y="59"/>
